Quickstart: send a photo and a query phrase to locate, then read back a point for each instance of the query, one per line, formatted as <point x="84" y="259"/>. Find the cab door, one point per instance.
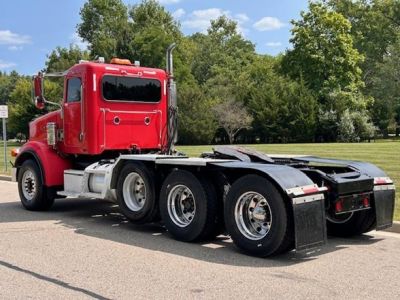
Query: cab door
<point x="73" y="131"/>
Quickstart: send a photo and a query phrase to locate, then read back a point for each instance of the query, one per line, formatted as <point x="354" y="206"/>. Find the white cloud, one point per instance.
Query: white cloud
<point x="242" y="18"/>
<point x="167" y="2"/>
<point x="15" y="48"/>
<point x="201" y="19"/>
<point x="268" y="23"/>
<point x="76" y="40"/>
<point x="6" y="65"/>
<point x="10" y="38"/>
<point x="273" y="44"/>
<point x="179" y="13"/>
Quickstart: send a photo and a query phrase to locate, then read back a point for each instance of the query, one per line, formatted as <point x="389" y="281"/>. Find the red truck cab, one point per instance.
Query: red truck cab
<point x="106" y="110"/>
<point x="108" y="107"/>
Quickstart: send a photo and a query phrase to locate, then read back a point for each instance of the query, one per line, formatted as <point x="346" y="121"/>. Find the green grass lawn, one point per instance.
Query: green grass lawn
<point x="10" y="145"/>
<point x="384" y="154"/>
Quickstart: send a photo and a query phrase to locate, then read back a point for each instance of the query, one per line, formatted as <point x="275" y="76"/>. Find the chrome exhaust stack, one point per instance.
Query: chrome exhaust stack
<point x="172" y="102"/>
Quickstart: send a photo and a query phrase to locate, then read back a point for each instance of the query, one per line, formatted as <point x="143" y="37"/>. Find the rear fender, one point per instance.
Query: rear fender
<point x="305" y="198"/>
<point x="51" y="165"/>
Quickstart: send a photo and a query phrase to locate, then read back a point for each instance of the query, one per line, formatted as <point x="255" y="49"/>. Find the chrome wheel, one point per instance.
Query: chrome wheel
<point x="253" y="215"/>
<point x="134" y="191"/>
<point x="181" y="205"/>
<point x="29" y="185"/>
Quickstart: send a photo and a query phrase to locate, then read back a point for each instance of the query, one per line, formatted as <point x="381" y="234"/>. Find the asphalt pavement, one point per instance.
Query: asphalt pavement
<point x="85" y="249"/>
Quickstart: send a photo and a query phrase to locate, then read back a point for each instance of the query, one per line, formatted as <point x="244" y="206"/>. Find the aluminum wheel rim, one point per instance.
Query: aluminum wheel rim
<point x="181" y="205"/>
<point x="253" y="215"/>
<point x="134" y="191"/>
<point x="29" y="185"/>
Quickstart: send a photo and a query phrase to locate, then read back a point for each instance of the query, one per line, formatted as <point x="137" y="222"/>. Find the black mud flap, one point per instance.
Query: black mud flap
<point x="384" y="208"/>
<point x="309" y="222"/>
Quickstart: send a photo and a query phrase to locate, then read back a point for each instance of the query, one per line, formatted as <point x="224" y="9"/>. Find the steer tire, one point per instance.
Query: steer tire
<point x="32" y="192"/>
<point x="185" y="185"/>
<point x="360" y="222"/>
<point x="136" y="193"/>
<point x="279" y="238"/>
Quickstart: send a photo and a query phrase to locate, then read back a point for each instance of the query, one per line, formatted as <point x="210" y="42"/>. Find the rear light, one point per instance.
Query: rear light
<point x="305" y="190"/>
<point x="382" y="180"/>
<point x="14" y="152"/>
<point x="310" y="190"/>
<point x="366" y="202"/>
<point x="339" y="205"/>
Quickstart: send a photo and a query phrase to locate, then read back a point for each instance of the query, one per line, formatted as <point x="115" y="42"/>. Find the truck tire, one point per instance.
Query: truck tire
<point x="356" y="223"/>
<point x="136" y="194"/>
<point x="33" y="194"/>
<point x="257" y="217"/>
<point x="188" y="206"/>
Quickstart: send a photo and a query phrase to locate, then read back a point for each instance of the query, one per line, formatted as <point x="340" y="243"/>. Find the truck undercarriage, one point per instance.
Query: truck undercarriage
<point x="320" y="196"/>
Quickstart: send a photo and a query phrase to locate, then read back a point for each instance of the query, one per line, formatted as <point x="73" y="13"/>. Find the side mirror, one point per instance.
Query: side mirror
<point x="37" y="94"/>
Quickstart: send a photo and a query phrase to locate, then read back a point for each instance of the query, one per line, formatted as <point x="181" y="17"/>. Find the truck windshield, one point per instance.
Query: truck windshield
<point x="133" y="89"/>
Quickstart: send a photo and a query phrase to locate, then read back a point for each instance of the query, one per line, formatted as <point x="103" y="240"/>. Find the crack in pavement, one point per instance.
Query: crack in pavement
<point x="53" y="280"/>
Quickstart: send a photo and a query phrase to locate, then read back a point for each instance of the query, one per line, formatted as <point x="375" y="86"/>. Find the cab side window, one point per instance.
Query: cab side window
<point x="74" y="90"/>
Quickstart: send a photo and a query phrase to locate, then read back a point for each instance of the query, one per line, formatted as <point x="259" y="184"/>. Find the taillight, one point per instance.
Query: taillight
<point x="366" y="202"/>
<point x="339" y="205"/>
<point x="382" y="180"/>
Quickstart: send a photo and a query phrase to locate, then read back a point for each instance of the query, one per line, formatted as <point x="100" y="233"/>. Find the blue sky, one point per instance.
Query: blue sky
<point x="30" y="30"/>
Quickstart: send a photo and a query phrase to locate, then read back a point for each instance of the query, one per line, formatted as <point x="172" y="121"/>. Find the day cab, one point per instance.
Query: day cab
<point x="106" y="109"/>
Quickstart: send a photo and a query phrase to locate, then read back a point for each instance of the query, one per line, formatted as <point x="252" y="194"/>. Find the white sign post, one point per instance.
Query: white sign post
<point x="4" y="116"/>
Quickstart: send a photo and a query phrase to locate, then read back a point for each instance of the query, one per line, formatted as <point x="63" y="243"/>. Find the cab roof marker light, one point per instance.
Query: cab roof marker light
<point x="120" y="61"/>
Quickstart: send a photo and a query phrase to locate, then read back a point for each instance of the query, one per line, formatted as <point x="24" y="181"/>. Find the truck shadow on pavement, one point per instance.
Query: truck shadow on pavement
<point x="103" y="220"/>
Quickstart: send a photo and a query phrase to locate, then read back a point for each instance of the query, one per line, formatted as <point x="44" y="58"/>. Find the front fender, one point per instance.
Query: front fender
<point x="51" y="164"/>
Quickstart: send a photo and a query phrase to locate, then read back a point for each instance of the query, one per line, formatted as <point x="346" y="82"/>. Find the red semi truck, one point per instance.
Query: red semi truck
<point x="113" y="138"/>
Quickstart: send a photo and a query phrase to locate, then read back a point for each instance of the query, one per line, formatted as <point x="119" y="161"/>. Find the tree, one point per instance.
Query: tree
<point x="61" y="59"/>
<point x="283" y="110"/>
<point x="385" y="88"/>
<point x="232" y="116"/>
<point x="197" y="125"/>
<point x="105" y="27"/>
<point x="374" y="27"/>
<point x="221" y="52"/>
<point x="323" y="54"/>
<point x="22" y="110"/>
<point x="7" y="84"/>
<point x="354" y="127"/>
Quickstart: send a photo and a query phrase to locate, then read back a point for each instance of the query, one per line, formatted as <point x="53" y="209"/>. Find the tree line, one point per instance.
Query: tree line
<point x="338" y="82"/>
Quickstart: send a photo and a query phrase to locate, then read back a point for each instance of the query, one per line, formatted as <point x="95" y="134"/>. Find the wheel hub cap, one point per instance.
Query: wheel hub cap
<point x="181" y="205"/>
<point x="134" y="191"/>
<point x="29" y="185"/>
<point x="253" y="215"/>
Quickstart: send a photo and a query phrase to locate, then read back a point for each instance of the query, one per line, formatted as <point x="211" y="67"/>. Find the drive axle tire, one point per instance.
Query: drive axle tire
<point x="188" y="206"/>
<point x="33" y="194"/>
<point x="356" y="223"/>
<point x="257" y="217"/>
<point x="136" y="194"/>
